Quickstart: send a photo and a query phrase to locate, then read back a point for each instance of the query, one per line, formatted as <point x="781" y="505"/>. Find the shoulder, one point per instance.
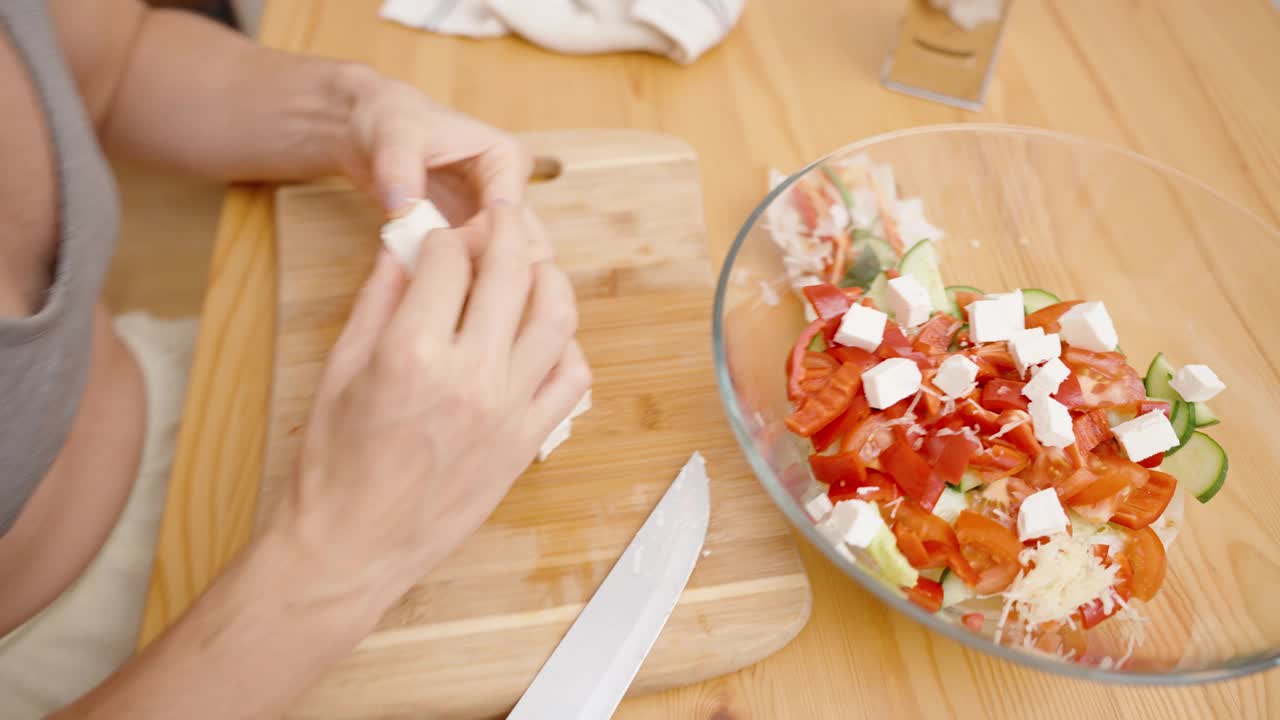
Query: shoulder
<point x="97" y="39"/>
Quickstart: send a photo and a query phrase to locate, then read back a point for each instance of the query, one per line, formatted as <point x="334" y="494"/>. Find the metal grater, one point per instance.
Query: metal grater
<point x="938" y="60"/>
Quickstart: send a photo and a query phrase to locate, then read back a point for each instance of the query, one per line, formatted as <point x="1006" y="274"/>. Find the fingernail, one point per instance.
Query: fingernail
<point x="396" y="199"/>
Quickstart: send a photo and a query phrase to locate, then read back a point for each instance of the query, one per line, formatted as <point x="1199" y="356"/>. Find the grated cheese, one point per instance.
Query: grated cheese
<point x="893" y="506"/>
<point x="1064" y="575"/>
<point x="866" y="490"/>
<point x="1011" y="426"/>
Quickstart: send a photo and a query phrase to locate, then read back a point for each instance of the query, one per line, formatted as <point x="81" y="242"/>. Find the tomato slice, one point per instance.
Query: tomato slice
<point x="857" y="412"/>
<point x="1000" y="394"/>
<point x="990" y="548"/>
<point x="857" y="356"/>
<point x="935" y="335"/>
<point x="1146" y="557"/>
<point x="974" y="621"/>
<point x="998" y="461"/>
<point x="828" y="403"/>
<point x="1051" y="468"/>
<point x="1092" y="613"/>
<point x="1091" y="428"/>
<point x="986" y="420"/>
<point x="949" y="456"/>
<point x="870" y="438"/>
<point x="795" y="361"/>
<point x="1148" y="405"/>
<point x="884" y="490"/>
<point x="845" y="467"/>
<point x="927" y="594"/>
<point x="1152" y="462"/>
<point x="815" y="370"/>
<point x="912" y="473"/>
<point x="1023" y="434"/>
<point x="828" y="301"/>
<point x="1048" y="317"/>
<point x="1105" y="379"/>
<point x="1146" y="501"/>
<point x="1069" y="393"/>
<point x="926" y="539"/>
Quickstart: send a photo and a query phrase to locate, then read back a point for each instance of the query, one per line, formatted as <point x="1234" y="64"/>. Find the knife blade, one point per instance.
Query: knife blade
<point x="594" y="664"/>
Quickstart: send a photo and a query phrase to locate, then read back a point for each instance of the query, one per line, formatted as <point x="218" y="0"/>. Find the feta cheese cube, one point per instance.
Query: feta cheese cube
<point x="1146" y="435"/>
<point x="996" y="317"/>
<point x="1197" y="383"/>
<point x="818" y="506"/>
<point x="909" y="301"/>
<point x="1046" y="379"/>
<point x="1041" y="515"/>
<point x="854" y="522"/>
<point x="956" y="375"/>
<point x="1088" y="325"/>
<point x="403" y="236"/>
<point x="891" y="381"/>
<point x="862" y="327"/>
<point x="1032" y="347"/>
<point x="1052" y="422"/>
<point x="564" y="430"/>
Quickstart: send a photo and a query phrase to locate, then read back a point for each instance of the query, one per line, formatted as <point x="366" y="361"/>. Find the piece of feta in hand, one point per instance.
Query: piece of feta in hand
<point x="404" y="235"/>
<point x="1197" y="383"/>
<point x="564" y="430"/>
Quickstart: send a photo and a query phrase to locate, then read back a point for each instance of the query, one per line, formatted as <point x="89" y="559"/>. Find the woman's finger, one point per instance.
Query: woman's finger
<point x="374" y="307"/>
<point x="501" y="289"/>
<point x="398" y="168"/>
<point x="550" y="322"/>
<point x="562" y="390"/>
<point x="501" y="172"/>
<point x="428" y="315"/>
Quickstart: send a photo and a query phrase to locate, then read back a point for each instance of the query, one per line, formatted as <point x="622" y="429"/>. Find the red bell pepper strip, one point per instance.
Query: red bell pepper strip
<point x="828" y="301"/>
<point x="912" y="473"/>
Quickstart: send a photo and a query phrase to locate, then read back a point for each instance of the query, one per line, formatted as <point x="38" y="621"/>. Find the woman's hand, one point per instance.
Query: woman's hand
<point x="403" y="146"/>
<point x="436" y="397"/>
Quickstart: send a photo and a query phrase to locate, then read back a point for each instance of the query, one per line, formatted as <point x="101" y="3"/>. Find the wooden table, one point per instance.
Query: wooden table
<point x="1190" y="82"/>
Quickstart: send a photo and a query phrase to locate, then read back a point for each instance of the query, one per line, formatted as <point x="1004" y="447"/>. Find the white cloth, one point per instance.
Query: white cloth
<point x="89" y="630"/>
<point x="679" y="29"/>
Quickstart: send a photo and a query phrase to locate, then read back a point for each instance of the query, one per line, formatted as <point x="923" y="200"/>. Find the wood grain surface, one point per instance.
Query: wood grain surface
<point x="1190" y="83"/>
<point x="625" y="214"/>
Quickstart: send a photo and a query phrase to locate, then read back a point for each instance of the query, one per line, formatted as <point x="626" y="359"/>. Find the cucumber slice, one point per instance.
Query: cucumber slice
<point x="1205" y="417"/>
<point x="1034" y="299"/>
<point x="893" y="565"/>
<point x="1201" y="467"/>
<point x="878" y="291"/>
<point x="970" y="480"/>
<point x="1157" y="380"/>
<point x="865" y="268"/>
<point x="921" y="263"/>
<point x="954" y="591"/>
<point x="953" y="308"/>
<point x="1183" y="422"/>
<point x="949" y="504"/>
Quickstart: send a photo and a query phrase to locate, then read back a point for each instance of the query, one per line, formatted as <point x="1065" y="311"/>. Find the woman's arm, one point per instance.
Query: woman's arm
<point x="259" y="636"/>
<point x="173" y="89"/>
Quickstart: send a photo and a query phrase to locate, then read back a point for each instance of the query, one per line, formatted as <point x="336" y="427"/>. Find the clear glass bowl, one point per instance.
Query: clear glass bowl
<point x="1183" y="269"/>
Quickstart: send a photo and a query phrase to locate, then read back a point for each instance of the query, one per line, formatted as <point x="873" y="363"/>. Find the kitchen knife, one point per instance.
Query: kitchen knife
<point x="589" y="672"/>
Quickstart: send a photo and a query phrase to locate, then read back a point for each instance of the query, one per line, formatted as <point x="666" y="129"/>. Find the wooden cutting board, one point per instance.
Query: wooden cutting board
<point x="625" y="214"/>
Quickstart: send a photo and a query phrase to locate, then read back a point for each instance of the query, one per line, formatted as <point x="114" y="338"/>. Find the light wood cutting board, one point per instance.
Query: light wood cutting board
<point x="625" y="213"/>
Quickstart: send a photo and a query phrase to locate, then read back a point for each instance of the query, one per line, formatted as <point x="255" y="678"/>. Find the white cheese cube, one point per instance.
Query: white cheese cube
<point x="818" y="506"/>
<point x="564" y="430"/>
<point x="404" y="235"/>
<point x="1146" y="435"/>
<point x="997" y="317"/>
<point x="909" y="301"/>
<point x="855" y="522"/>
<point x="1032" y="347"/>
<point x="956" y="375"/>
<point x="862" y="327"/>
<point x="891" y="381"/>
<point x="1046" y="379"/>
<point x="1088" y="325"/>
<point x="1052" y="422"/>
<point x="1197" y="383"/>
<point x="1041" y="515"/>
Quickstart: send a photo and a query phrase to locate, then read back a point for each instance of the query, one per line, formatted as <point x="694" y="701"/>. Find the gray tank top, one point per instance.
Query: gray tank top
<point x="44" y="358"/>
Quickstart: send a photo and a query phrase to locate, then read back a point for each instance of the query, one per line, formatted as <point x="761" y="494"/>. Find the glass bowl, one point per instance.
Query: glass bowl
<point x="1183" y="270"/>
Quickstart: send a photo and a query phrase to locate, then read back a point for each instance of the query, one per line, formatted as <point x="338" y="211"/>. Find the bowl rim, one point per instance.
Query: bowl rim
<point x="1236" y="668"/>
